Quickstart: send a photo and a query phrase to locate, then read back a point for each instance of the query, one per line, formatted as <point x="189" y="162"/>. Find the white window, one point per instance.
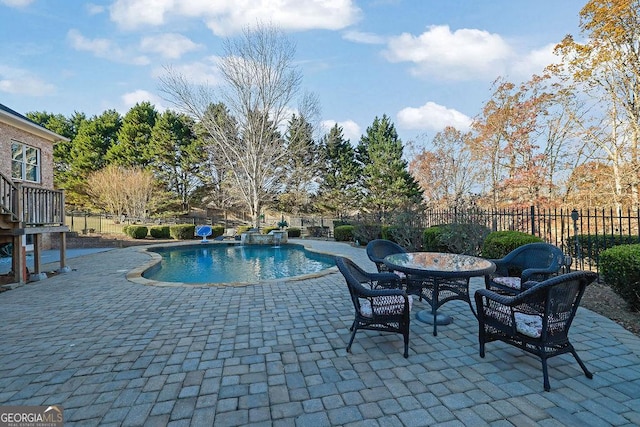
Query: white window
<point x="25" y="162"/>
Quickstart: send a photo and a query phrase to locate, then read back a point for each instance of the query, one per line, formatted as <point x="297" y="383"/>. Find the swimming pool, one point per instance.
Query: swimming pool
<point x="223" y="263"/>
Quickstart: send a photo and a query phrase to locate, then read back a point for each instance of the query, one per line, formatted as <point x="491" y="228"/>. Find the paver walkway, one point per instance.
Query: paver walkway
<point x="113" y="352"/>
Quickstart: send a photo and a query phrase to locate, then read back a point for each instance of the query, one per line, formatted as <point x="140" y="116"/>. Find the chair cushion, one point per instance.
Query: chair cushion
<point x="510" y="282"/>
<point x="528" y="324"/>
<point x="395" y="305"/>
<point x="400" y="274"/>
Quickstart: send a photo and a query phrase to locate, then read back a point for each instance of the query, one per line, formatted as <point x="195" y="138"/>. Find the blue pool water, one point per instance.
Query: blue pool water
<point x="221" y="263"/>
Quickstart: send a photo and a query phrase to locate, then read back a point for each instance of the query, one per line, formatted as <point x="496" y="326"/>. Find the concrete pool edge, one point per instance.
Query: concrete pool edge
<point x="136" y="275"/>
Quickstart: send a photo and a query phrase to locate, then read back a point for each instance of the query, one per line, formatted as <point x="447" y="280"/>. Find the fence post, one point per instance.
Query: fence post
<point x="533" y="220"/>
<point x="575" y="216"/>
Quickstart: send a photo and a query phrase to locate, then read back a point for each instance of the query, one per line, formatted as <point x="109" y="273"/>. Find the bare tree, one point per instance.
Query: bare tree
<point x="260" y="83"/>
<point x="607" y="68"/>
<point x="119" y="190"/>
<point x="448" y="173"/>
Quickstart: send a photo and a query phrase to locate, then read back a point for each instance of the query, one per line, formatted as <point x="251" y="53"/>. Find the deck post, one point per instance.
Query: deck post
<point x="19" y="260"/>
<point x="63" y="254"/>
<point x="37" y="273"/>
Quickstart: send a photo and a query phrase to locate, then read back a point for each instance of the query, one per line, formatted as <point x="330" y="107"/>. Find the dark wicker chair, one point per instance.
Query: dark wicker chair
<point x="378" y="249"/>
<point x="536" y="320"/>
<point x="533" y="262"/>
<point x="377" y="309"/>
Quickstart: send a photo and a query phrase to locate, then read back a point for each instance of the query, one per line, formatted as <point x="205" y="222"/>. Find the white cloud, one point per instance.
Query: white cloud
<point x="169" y="45"/>
<point x="225" y="17"/>
<point x="104" y="48"/>
<point x="22" y="82"/>
<point x="462" y="54"/>
<point x="432" y="116"/>
<point x="200" y="73"/>
<point x="94" y="9"/>
<point x="16" y="3"/>
<point x="534" y="62"/>
<point x="130" y="99"/>
<point x="350" y="129"/>
<point x="362" y="37"/>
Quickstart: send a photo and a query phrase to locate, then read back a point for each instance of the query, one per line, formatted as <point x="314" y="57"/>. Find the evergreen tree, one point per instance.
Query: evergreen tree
<point x="88" y="152"/>
<point x="338" y="192"/>
<point x="67" y="127"/>
<point x="134" y="137"/>
<point x="301" y="170"/>
<point x="178" y="155"/>
<point x="386" y="182"/>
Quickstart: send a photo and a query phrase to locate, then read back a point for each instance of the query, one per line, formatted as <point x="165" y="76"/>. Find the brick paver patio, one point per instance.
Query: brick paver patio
<point x="114" y="352"/>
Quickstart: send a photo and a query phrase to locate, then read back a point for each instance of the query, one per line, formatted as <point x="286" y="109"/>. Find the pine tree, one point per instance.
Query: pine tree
<point x="301" y="169"/>
<point x="134" y="137"/>
<point x="338" y="192"/>
<point x="177" y="154"/>
<point x="386" y="182"/>
<point x="88" y="153"/>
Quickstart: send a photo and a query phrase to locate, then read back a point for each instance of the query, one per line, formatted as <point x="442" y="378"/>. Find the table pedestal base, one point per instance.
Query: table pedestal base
<point x="426" y="316"/>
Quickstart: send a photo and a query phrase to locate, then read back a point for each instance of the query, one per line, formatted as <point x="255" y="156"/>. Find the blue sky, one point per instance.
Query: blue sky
<point x="424" y="63"/>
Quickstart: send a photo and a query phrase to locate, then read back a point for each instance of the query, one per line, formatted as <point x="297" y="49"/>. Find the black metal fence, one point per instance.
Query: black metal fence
<point x="90" y="223"/>
<point x="582" y="234"/>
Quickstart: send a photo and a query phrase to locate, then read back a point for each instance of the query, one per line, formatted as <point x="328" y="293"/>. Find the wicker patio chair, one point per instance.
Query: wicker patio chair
<point x="378" y="249"/>
<point x="536" y="320"/>
<point x="377" y="309"/>
<point x="524" y="266"/>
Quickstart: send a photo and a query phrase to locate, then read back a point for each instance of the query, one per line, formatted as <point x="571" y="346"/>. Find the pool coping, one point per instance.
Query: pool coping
<point x="135" y="275"/>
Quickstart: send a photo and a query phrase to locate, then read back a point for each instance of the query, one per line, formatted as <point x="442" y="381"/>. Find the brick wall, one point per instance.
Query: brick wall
<point x="10" y="133"/>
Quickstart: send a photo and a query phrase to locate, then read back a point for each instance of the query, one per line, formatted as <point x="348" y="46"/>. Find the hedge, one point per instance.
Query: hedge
<point x="620" y="269"/>
<point x="344" y="233"/>
<point x="243" y="229"/>
<point x="364" y="233"/>
<point x="160" y="232"/>
<point x="591" y="245"/>
<point x="499" y="243"/>
<point x="216" y="230"/>
<point x="294" y="232"/>
<point x="137" y="231"/>
<point x="182" y="231"/>
<point x="455" y="238"/>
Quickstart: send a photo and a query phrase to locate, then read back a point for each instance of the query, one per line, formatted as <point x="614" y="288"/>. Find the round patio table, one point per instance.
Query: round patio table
<point x="439" y="278"/>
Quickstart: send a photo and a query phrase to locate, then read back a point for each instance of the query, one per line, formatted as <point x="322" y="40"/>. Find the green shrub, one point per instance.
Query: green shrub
<point x="244" y="228"/>
<point x="431" y="239"/>
<point x="455" y="238"/>
<point x="125" y="228"/>
<point x="344" y="233"/>
<point x="410" y="238"/>
<point x="294" y="232"/>
<point x="499" y="243"/>
<point x="182" y="231"/>
<point x="386" y="233"/>
<point x="137" y="231"/>
<point x="620" y="269"/>
<point x="591" y="245"/>
<point x="160" y="232"/>
<point x="364" y="233"/>
<point x="318" y="231"/>
<point x="216" y="230"/>
<point x="267" y="230"/>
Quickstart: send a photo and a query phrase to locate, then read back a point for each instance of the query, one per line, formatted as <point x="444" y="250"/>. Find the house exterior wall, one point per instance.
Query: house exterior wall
<point x="10" y="133"/>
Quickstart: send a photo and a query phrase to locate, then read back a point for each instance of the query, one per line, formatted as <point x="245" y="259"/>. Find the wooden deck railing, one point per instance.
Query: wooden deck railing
<point x="9" y="198"/>
<point x="30" y="205"/>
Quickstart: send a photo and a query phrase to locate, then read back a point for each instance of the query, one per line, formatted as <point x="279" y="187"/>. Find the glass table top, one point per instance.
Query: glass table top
<point x="435" y="262"/>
